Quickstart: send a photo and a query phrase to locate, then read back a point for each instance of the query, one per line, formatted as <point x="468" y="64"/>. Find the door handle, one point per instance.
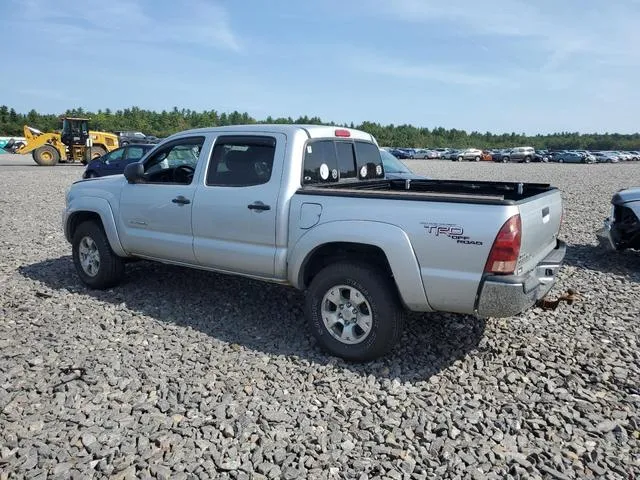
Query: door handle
<point x="181" y="200"/>
<point x="258" y="206"/>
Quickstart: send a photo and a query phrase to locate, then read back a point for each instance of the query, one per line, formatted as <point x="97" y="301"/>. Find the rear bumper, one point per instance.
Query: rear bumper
<point x="504" y="296"/>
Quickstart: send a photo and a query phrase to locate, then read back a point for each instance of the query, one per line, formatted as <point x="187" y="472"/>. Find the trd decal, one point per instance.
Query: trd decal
<point x="450" y="230"/>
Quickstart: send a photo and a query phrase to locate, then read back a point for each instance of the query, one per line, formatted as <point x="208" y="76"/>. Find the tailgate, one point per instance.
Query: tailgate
<point x="541" y="216"/>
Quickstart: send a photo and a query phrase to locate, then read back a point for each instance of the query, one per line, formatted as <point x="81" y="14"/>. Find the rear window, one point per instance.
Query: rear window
<point x="336" y="160"/>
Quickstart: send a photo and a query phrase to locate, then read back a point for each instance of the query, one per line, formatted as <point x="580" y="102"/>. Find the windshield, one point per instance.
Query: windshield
<point x="392" y="164"/>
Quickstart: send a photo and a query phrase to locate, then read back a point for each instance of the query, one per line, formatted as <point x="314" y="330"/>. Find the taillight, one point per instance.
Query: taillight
<point x="342" y="133"/>
<point x="503" y="256"/>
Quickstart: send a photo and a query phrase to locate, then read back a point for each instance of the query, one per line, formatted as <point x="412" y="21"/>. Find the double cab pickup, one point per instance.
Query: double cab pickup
<point x="310" y="206"/>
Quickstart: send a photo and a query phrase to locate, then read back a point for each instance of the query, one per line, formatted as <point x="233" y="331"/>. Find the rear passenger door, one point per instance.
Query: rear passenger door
<point x="235" y="211"/>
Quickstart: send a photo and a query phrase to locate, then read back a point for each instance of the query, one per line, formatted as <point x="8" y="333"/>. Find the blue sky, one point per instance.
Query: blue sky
<point x="494" y="65"/>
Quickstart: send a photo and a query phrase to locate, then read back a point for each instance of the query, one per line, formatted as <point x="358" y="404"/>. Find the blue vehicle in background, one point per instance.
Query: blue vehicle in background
<point x="114" y="162"/>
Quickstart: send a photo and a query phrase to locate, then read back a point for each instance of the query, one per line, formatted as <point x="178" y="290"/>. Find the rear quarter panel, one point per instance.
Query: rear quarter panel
<point x="450" y="242"/>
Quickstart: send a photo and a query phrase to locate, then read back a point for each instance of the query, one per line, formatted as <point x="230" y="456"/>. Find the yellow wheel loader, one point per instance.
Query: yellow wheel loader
<point x="75" y="143"/>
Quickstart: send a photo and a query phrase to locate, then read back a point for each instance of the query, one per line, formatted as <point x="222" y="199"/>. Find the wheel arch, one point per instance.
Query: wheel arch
<point x="385" y="245"/>
<point x="98" y="210"/>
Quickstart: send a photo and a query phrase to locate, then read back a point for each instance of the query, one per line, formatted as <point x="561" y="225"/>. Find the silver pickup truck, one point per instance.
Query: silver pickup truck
<point x="310" y="207"/>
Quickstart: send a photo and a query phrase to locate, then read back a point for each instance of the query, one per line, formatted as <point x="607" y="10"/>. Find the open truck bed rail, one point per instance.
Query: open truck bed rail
<point x="499" y="193"/>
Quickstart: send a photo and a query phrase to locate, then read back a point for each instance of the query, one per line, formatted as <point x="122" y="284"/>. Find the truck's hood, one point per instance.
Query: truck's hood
<point x="626" y="195"/>
<point x="108" y="187"/>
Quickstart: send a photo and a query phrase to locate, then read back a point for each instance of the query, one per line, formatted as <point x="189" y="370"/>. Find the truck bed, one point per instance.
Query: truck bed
<point x="462" y="191"/>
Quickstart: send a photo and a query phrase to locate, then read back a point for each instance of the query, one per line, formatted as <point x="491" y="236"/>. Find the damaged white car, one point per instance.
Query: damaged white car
<point x="621" y="229"/>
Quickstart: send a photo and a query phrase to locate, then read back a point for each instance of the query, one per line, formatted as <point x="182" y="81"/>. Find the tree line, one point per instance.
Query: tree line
<point x="165" y="123"/>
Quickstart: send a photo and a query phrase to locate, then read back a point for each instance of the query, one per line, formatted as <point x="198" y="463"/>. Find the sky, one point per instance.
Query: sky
<point x="537" y="66"/>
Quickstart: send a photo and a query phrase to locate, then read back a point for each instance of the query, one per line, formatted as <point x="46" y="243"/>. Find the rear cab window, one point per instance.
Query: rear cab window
<point x="337" y="160"/>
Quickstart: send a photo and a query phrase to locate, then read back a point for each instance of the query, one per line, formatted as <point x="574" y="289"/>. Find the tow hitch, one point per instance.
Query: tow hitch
<point x="570" y="296"/>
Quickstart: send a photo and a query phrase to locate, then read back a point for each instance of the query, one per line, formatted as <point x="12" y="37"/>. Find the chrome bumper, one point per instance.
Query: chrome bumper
<point x="504" y="296"/>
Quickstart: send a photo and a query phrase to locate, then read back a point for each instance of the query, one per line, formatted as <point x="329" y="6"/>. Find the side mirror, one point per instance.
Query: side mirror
<point x="134" y="172"/>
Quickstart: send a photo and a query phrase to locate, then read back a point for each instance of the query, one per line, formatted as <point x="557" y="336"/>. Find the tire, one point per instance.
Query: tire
<point x="46" y="156"/>
<point x="477" y="159"/>
<point x="89" y="237"/>
<point x="460" y="159"/>
<point x="505" y="159"/>
<point x="560" y="160"/>
<point x="92" y="174"/>
<point x="92" y="153"/>
<point x="380" y="299"/>
<point x="527" y="159"/>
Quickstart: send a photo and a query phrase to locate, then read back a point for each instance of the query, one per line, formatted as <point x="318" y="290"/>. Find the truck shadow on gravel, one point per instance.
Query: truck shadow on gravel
<point x="260" y="316"/>
<point x="600" y="259"/>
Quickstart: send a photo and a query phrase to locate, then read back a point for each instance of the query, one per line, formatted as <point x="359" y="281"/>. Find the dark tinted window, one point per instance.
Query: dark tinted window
<point x="241" y="161"/>
<point x="346" y="160"/>
<point x="320" y="162"/>
<point x="368" y="155"/>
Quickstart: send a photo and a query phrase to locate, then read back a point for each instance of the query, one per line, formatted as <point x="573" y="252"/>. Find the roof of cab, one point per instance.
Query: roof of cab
<point x="312" y="131"/>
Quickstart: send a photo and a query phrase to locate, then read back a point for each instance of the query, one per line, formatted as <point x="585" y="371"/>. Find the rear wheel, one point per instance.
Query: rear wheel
<point x="527" y="159"/>
<point x="354" y="311"/>
<point x="505" y="159"/>
<point x="46" y="156"/>
<point x="477" y="159"/>
<point x="96" y="263"/>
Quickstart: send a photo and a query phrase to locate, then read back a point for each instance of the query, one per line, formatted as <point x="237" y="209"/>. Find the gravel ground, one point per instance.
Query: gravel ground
<point x="185" y="374"/>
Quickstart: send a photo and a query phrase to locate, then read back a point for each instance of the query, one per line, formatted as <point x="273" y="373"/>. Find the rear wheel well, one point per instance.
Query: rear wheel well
<point x="342" y="251"/>
<point x="80" y="217"/>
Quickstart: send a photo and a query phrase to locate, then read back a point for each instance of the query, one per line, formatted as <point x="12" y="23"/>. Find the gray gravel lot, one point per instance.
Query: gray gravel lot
<point x="185" y="374"/>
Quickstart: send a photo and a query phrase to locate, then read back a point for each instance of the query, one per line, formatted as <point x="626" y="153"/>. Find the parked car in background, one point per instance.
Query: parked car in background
<point x="541" y="156"/>
<point x="114" y="162"/>
<point x="127" y="137"/>
<point x="623" y="156"/>
<point x="394" y="168"/>
<point x="606" y="157"/>
<point x="574" y="157"/>
<point x="519" y="154"/>
<point x="635" y="155"/>
<point x="420" y="154"/>
<point x="621" y="229"/>
<point x="401" y="154"/>
<point x="425" y="153"/>
<point x="451" y="154"/>
<point x="468" y="154"/>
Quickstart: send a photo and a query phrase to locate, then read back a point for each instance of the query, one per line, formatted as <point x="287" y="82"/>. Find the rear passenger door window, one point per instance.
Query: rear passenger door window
<point x="241" y="161"/>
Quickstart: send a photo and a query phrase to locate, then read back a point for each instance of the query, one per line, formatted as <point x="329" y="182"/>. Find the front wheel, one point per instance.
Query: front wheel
<point x="477" y="159"/>
<point x="460" y="159"/>
<point x="505" y="159"/>
<point x="46" y="155"/>
<point x="96" y="263"/>
<point x="353" y="311"/>
<point x="527" y="159"/>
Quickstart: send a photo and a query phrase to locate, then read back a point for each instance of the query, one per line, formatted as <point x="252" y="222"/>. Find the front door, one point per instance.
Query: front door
<point x="155" y="214"/>
<point x="236" y="208"/>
